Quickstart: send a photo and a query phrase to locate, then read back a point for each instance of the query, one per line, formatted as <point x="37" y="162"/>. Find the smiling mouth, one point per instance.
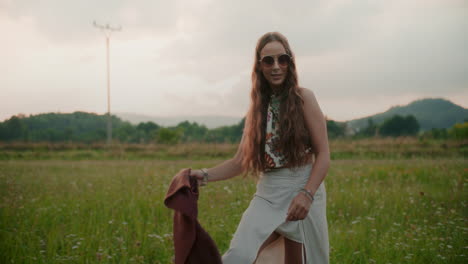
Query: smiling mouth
<point x="276" y="76"/>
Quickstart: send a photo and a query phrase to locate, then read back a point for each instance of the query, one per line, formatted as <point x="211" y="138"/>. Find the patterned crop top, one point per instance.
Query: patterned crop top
<point x="274" y="157"/>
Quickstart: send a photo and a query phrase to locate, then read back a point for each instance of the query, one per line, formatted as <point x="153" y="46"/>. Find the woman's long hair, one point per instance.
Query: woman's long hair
<point x="294" y="135"/>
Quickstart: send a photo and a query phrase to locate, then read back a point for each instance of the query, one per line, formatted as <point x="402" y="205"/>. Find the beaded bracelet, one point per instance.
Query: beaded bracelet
<point x="308" y="194"/>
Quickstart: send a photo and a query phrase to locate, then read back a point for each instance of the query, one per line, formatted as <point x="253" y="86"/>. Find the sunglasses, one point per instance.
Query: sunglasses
<point x="269" y="61"/>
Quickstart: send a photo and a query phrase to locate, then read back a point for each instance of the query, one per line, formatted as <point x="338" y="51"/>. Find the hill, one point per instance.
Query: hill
<point x="430" y="113"/>
<point x="209" y="121"/>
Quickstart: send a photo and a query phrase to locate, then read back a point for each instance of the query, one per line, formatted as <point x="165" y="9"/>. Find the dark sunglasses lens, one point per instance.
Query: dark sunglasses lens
<point x="283" y="60"/>
<point x="268" y="60"/>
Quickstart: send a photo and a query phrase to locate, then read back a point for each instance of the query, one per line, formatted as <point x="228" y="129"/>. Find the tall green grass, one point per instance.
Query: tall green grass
<point x="367" y="148"/>
<point x="111" y="211"/>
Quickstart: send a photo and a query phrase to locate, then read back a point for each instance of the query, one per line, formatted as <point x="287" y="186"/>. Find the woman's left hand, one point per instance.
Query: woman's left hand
<point x="299" y="207"/>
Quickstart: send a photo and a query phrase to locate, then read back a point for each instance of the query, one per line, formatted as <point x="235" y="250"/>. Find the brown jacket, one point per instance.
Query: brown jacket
<point x="192" y="243"/>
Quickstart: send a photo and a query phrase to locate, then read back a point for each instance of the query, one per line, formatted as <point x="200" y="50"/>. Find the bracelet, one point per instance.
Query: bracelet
<point x="308" y="194"/>
<point x="205" y="177"/>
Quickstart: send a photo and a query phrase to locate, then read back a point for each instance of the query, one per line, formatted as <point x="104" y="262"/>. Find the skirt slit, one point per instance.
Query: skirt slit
<point x="266" y="214"/>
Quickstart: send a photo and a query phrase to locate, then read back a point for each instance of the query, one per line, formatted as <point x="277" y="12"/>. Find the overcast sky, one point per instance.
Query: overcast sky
<point x="195" y="57"/>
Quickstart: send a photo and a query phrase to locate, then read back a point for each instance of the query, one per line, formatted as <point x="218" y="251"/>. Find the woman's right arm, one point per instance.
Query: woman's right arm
<point x="226" y="170"/>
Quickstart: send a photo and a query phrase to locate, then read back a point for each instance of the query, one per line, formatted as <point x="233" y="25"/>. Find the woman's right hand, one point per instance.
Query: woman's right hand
<point x="198" y="174"/>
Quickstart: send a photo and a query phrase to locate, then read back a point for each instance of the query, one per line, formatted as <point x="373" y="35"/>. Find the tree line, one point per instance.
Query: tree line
<point x="89" y="128"/>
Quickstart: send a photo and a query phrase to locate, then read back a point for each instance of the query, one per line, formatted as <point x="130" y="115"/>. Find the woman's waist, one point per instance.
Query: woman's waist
<point x="286" y="175"/>
<point x="285" y="165"/>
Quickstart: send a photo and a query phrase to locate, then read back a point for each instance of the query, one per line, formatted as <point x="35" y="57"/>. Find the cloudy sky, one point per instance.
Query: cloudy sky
<point x="195" y="57"/>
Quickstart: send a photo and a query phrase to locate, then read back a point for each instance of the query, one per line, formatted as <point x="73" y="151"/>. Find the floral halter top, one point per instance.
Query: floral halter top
<point x="274" y="157"/>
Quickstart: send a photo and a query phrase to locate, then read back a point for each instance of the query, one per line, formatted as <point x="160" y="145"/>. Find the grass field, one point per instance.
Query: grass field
<point x="396" y="209"/>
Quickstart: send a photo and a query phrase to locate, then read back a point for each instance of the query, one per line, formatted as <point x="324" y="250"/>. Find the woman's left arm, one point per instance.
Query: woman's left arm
<point x="317" y="126"/>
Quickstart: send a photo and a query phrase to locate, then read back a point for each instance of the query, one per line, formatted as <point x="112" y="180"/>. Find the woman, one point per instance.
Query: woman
<point x="285" y="146"/>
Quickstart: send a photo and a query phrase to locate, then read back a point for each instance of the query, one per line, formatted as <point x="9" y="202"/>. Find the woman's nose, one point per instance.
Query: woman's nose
<point x="276" y="65"/>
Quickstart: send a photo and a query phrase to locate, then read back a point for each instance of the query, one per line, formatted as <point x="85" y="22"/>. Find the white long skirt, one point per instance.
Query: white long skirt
<point x="267" y="213"/>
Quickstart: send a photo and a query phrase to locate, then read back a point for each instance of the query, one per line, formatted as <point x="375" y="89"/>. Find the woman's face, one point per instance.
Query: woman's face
<point x="275" y="74"/>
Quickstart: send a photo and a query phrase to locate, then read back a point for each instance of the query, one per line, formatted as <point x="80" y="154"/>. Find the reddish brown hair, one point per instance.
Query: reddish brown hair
<point x="294" y="135"/>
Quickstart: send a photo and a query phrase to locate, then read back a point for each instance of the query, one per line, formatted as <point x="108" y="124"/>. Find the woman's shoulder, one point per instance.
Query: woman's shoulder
<point x="309" y="99"/>
<point x="305" y="91"/>
<point x="307" y="94"/>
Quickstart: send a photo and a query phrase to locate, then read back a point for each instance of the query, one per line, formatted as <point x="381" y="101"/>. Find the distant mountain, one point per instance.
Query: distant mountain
<point x="209" y="121"/>
<point x="430" y="113"/>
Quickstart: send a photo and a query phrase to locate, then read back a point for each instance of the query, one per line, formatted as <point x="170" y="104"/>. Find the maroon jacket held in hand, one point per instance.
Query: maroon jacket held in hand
<point x="192" y="243"/>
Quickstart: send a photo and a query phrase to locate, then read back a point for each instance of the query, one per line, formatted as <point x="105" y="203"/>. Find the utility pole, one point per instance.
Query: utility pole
<point x="107" y="30"/>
